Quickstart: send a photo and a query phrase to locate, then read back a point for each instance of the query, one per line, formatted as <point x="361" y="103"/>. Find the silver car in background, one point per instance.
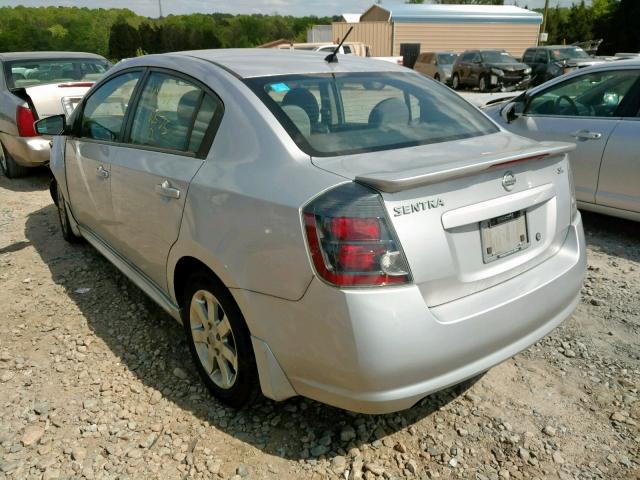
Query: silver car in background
<point x="347" y="231"/>
<point x="598" y="108"/>
<point x="437" y="65"/>
<point x="36" y="85"/>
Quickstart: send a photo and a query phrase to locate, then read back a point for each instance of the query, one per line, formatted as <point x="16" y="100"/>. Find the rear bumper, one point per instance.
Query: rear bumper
<point x="27" y="151"/>
<point x="382" y="350"/>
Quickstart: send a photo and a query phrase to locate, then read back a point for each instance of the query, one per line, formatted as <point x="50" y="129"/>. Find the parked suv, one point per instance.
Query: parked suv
<point x="437" y="65"/>
<point x="490" y="70"/>
<point x="36" y="85"/>
<point x="360" y="246"/>
<point x="552" y="61"/>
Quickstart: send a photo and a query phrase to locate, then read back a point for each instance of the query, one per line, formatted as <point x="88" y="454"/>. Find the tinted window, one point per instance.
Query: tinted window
<point x="468" y="57"/>
<point x="27" y="73"/>
<point x="498" y="57"/>
<point x="568" y="53"/>
<point x="529" y="56"/>
<point x="446" y="58"/>
<point x="171" y="114"/>
<point x="597" y="94"/>
<point x="541" y="56"/>
<point x="347" y="49"/>
<point x="104" y="112"/>
<point x="352" y="113"/>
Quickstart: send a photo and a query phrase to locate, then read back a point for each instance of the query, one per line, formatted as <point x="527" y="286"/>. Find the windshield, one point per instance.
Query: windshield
<point x="446" y="58"/>
<point x="29" y="73"/>
<point x="567" y="53"/>
<point x="498" y="57"/>
<point x="341" y="114"/>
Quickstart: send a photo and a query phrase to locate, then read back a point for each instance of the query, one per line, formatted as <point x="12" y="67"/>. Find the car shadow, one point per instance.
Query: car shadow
<point x="150" y="344"/>
<point x="37" y="180"/>
<point x="611" y="235"/>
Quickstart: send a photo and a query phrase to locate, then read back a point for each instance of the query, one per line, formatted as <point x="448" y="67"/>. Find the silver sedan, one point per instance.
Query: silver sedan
<point x="598" y="108"/>
<point x="345" y="230"/>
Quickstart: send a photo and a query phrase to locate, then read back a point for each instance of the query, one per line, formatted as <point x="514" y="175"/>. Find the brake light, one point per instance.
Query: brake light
<point x="76" y="85"/>
<point x="351" y="241"/>
<point x="25" y="120"/>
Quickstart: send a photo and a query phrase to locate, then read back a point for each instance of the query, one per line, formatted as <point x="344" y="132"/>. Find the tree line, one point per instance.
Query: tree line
<point x="120" y="33"/>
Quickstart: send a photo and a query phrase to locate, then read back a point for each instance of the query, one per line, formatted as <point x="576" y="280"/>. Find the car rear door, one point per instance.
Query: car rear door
<point x="619" y="180"/>
<point x="169" y="134"/>
<point x="91" y="149"/>
<point x="573" y="111"/>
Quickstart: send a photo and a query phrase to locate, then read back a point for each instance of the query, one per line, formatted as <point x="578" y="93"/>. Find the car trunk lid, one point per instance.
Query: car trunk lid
<point x="53" y="99"/>
<point x="450" y="202"/>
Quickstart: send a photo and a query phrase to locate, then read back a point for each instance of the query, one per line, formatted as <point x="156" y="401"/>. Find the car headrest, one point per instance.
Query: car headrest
<point x="303" y="98"/>
<point x="188" y="104"/>
<point x="299" y="117"/>
<point x="391" y="110"/>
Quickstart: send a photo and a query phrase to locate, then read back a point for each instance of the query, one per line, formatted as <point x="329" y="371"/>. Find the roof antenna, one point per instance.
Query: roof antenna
<point x="333" y="56"/>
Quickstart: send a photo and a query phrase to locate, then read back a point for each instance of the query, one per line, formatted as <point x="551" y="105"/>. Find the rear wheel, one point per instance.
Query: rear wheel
<point x="8" y="165"/>
<point x="455" y="81"/>
<point x="219" y="341"/>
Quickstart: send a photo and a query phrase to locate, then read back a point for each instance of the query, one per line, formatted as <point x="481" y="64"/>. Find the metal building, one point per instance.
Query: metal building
<point x="407" y="29"/>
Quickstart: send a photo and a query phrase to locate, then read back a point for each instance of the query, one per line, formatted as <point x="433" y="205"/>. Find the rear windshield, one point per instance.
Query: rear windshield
<point x="29" y="73"/>
<point x="568" y="53"/>
<point x="341" y="114"/>
<point x="446" y="58"/>
<point x="498" y="57"/>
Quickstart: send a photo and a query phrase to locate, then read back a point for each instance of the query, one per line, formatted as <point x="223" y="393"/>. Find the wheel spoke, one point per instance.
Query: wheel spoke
<point x="224" y="328"/>
<point x="199" y="334"/>
<point x="200" y="311"/>
<point x="211" y="357"/>
<point x="230" y="355"/>
<point x="224" y="371"/>
<point x="212" y="310"/>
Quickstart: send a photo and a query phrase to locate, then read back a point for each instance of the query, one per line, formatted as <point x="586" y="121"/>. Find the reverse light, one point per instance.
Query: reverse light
<point x="351" y="240"/>
<point x="25" y="120"/>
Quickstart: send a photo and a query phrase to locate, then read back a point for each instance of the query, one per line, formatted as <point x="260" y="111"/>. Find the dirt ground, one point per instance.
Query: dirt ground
<point x="96" y="382"/>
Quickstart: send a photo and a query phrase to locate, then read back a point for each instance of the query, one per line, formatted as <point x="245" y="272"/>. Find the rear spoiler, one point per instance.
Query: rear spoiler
<point x="429" y="174"/>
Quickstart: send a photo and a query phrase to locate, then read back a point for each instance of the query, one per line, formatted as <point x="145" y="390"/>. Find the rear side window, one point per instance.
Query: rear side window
<point x="341" y="114"/>
<point x="541" y="56"/>
<point x="172" y="114"/>
<point x="528" y="57"/>
<point x="105" y="110"/>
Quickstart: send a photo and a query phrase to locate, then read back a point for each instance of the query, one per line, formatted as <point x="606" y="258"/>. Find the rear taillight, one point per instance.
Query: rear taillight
<point x="25" y="120"/>
<point x="351" y="241"/>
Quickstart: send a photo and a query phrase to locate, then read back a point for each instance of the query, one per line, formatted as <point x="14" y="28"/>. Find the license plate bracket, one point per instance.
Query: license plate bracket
<point x="504" y="235"/>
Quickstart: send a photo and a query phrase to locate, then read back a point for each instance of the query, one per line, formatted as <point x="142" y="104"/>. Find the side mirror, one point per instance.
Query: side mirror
<point x="511" y="111"/>
<point x="54" y="125"/>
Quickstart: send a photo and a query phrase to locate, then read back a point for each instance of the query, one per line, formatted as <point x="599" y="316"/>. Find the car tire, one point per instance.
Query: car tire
<point x="63" y="216"/>
<point x="483" y="84"/>
<point x="455" y="81"/>
<point x="219" y="340"/>
<point x="8" y="165"/>
<point x="436" y="77"/>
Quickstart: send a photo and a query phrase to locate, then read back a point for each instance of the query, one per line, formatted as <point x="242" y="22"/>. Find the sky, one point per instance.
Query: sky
<point x="285" y="7"/>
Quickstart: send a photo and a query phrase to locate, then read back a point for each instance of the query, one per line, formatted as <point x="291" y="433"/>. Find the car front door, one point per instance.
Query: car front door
<point x="619" y="181"/>
<point x="91" y="149"/>
<point x="541" y="64"/>
<point x="577" y="111"/>
<point x="169" y="134"/>
<point x="475" y="69"/>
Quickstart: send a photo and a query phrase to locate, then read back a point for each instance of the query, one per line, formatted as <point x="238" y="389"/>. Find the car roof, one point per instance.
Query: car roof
<point x="262" y="62"/>
<point x="9" y="56"/>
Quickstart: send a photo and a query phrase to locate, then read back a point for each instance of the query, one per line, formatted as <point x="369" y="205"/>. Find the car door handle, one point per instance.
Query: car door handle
<point x="586" y="135"/>
<point x="102" y="172"/>
<point x="166" y="190"/>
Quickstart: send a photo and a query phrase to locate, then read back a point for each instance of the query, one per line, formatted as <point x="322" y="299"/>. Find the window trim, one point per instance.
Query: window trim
<point x="125" y="131"/>
<point x="634" y="90"/>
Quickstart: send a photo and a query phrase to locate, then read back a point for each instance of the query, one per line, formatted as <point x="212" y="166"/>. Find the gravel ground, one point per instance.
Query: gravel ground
<point x="96" y="382"/>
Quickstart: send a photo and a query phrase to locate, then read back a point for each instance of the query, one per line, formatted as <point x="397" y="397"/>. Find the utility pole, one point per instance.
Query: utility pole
<point x="160" y="7"/>
<point x="544" y="18"/>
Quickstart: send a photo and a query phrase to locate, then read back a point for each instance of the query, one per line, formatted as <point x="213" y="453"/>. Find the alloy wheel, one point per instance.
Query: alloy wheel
<point x="213" y="339"/>
<point x="483" y="84"/>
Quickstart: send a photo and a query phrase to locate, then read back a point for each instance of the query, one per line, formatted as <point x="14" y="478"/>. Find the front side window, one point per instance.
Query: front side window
<point x="172" y="114"/>
<point x="353" y="113"/>
<point x="598" y="94"/>
<point x="529" y="55"/>
<point x="105" y="110"/>
<point x="29" y="73"/>
<point x="541" y="56"/>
